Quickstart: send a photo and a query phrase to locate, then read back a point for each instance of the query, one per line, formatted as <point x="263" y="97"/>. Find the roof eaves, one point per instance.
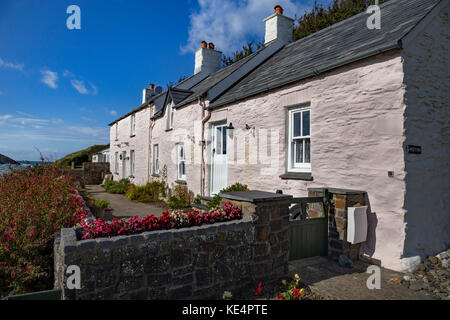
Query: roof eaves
<point x="139" y="108"/>
<point x="220" y="88"/>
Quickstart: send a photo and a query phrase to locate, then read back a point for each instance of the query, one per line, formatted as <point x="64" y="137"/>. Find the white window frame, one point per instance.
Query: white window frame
<point x="292" y="165"/>
<point x="133" y="125"/>
<point x="155" y="159"/>
<point x="181" y="160"/>
<point x="132" y="162"/>
<point x="116" y="162"/>
<point x="170" y="115"/>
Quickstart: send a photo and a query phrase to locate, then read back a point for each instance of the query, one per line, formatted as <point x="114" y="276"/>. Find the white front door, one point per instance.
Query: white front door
<point x="124" y="162"/>
<point x="219" y="159"/>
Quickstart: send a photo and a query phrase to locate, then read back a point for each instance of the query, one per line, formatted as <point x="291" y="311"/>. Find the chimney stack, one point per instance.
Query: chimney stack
<point x="148" y="93"/>
<point x="207" y="59"/>
<point x="278" y="27"/>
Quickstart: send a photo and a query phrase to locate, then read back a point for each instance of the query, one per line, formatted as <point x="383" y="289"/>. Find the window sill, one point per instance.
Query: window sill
<point x="297" y="176"/>
<point x="155" y="175"/>
<point x="132" y="135"/>
<point x="170" y="129"/>
<point x="181" y="181"/>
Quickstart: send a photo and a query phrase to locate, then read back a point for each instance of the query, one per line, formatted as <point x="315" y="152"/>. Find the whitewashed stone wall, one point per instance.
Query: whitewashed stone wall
<point x="187" y="130"/>
<point x="357" y="137"/>
<point x="427" y="114"/>
<point x="139" y="143"/>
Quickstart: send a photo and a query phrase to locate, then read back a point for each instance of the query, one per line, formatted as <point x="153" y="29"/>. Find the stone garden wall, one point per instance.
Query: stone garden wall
<point x="94" y="172"/>
<point x="190" y="263"/>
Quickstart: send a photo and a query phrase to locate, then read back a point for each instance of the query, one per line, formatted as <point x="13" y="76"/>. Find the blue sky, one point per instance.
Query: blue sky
<point x="59" y="88"/>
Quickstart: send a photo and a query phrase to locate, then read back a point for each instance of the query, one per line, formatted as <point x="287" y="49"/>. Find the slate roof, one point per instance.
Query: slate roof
<point x="161" y="98"/>
<point x="224" y="77"/>
<point x="329" y="48"/>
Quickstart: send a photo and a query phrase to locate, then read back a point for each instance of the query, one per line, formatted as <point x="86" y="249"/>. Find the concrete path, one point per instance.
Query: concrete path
<point x="328" y="279"/>
<point x="124" y="207"/>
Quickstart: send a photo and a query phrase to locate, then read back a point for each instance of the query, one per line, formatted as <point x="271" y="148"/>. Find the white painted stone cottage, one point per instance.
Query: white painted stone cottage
<point x="347" y="107"/>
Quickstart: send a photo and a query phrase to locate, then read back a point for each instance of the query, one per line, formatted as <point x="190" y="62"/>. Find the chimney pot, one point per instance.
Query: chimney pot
<point x="204" y="44"/>
<point x="211" y="46"/>
<point x="278" y="27"/>
<point x="278" y="9"/>
<point x="152" y="86"/>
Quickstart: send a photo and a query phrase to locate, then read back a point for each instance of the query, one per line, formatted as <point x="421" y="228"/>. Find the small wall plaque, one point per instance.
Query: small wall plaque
<point x="413" y="149"/>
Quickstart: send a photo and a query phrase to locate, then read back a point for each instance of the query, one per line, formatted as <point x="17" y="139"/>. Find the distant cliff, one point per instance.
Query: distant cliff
<point x="7" y="160"/>
<point x="81" y="156"/>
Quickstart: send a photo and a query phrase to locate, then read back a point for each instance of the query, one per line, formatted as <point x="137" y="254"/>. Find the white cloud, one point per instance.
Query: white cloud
<point x="81" y="87"/>
<point x="10" y="65"/>
<point x="50" y="78"/>
<point x="88" y="119"/>
<point x="111" y="112"/>
<point x="5" y="117"/>
<point x="67" y="73"/>
<point x="228" y="24"/>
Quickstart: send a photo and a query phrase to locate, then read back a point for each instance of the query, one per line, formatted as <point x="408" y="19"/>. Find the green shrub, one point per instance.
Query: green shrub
<point x="108" y="184"/>
<point x="101" y="203"/>
<point x="152" y="191"/>
<point x="177" y="203"/>
<point x="215" y="202"/>
<point x="119" y="187"/>
<point x="181" y="198"/>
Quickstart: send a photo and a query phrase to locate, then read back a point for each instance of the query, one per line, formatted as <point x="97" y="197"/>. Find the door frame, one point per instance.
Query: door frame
<point x="213" y="127"/>
<point x="124" y="166"/>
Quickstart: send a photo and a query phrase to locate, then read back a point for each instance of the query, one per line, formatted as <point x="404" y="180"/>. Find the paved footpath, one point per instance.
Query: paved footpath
<point x="328" y="279"/>
<point x="124" y="207"/>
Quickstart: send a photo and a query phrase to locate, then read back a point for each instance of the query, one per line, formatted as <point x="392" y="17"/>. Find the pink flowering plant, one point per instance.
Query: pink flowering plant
<point x="35" y="203"/>
<point x="168" y="220"/>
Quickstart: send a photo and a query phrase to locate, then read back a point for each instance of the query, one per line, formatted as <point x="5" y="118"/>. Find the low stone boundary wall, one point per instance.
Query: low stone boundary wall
<point x="189" y="263"/>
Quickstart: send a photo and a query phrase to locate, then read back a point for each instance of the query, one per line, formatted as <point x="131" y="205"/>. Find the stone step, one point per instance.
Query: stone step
<point x="199" y="206"/>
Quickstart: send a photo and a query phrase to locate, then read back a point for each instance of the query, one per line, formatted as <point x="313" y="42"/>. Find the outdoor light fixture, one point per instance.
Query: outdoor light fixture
<point x="230" y="130"/>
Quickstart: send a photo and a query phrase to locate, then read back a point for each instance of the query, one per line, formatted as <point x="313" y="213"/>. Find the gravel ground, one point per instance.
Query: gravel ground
<point x="432" y="277"/>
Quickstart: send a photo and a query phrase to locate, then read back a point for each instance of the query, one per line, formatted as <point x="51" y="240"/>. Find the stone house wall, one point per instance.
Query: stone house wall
<point x="186" y="130"/>
<point x="139" y="143"/>
<point x="427" y="94"/>
<point x="357" y="137"/>
<point x="189" y="263"/>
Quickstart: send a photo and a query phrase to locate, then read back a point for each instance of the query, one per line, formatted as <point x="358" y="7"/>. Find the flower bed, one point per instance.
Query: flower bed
<point x="169" y="220"/>
<point x="35" y="204"/>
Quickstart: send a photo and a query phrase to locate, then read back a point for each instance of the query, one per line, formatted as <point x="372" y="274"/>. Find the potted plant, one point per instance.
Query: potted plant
<point x="98" y="210"/>
<point x="89" y="200"/>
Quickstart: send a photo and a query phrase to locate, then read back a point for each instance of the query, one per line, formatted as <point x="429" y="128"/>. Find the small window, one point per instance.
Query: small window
<point x="181" y="162"/>
<point x="299" y="148"/>
<point x="133" y="125"/>
<point x="116" y="162"/>
<point x="155" y="159"/>
<point x="132" y="162"/>
<point x="170" y="112"/>
<point x="117" y="131"/>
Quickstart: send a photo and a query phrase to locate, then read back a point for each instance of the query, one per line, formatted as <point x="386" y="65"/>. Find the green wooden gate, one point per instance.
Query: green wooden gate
<point x="308" y="232"/>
